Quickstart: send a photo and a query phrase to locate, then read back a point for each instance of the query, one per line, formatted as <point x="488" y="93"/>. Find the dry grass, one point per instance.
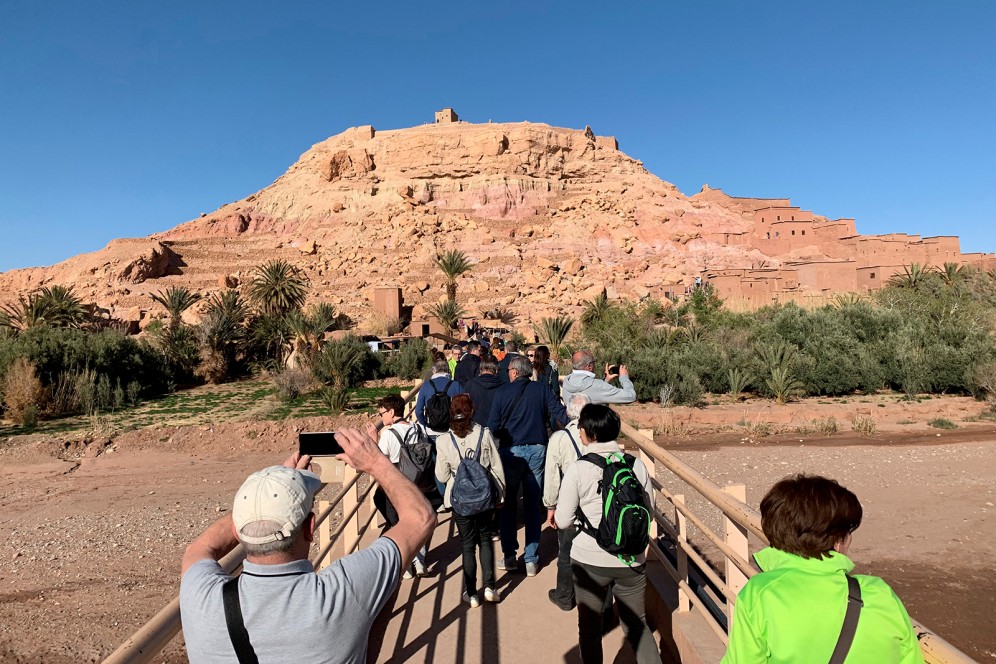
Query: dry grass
<point x="826" y="425"/>
<point x="668" y="424"/>
<point x="22" y="393"/>
<point x="863" y="425"/>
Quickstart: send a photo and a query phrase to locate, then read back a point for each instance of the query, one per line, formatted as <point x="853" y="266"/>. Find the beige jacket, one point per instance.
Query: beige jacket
<point x="448" y="460"/>
<point x="560" y="454"/>
<point x="580" y="489"/>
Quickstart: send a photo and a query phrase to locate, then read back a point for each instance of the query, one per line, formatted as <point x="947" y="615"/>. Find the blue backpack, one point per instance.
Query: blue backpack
<point x="472" y="491"/>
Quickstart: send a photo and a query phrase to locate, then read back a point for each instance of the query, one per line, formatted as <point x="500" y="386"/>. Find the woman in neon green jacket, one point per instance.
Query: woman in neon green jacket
<point x="794" y="609"/>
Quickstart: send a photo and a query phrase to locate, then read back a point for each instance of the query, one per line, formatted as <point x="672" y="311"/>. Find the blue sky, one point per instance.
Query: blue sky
<point x="121" y="119"/>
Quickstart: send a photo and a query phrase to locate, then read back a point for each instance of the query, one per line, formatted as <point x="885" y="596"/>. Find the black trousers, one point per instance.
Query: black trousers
<point x="593" y="585"/>
<point x="475" y="535"/>
<point x="386" y="509"/>
<point x="564" y="592"/>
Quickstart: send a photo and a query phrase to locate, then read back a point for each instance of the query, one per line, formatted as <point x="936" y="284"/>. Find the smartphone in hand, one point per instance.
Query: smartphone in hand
<point x="614" y="370"/>
<point x="318" y="443"/>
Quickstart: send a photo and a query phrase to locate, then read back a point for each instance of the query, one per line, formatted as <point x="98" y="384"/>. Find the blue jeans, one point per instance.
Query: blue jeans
<point x="523" y="465"/>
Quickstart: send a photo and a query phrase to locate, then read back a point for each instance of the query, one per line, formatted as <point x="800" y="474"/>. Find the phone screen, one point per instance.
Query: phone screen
<point x="318" y="443"/>
<point x="614" y="369"/>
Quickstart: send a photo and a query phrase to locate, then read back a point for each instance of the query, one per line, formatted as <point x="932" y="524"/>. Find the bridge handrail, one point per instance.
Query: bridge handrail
<point x="150" y="639"/>
<point x="935" y="649"/>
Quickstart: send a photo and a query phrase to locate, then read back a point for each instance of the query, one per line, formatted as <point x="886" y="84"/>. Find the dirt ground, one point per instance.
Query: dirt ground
<point x="96" y="527"/>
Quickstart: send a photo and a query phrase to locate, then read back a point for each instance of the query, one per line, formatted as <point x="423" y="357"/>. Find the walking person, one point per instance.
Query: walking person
<point x="565" y="447"/>
<point x="468" y="443"/>
<point x="544" y="371"/>
<point x="519" y="415"/>
<point x="597" y="573"/>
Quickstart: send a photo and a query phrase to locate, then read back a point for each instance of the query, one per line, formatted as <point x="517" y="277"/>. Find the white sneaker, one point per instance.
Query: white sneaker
<point x="507" y="563"/>
<point x="532" y="569"/>
<point x="419" y="568"/>
<point x="407" y="574"/>
<point x="472" y="600"/>
<point x="492" y="595"/>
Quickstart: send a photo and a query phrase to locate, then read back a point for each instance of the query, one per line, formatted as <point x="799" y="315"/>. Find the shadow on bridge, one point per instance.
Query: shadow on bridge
<point x="426" y="621"/>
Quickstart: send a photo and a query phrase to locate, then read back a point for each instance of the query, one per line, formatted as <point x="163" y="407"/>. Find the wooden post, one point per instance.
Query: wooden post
<point x="684" y="604"/>
<point x="736" y="539"/>
<point x="651" y="464"/>
<point x="351" y="532"/>
<point x="324" y="535"/>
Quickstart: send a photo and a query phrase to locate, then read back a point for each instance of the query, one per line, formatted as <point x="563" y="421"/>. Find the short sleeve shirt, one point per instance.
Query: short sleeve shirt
<point x="389" y="443"/>
<point x="291" y="613"/>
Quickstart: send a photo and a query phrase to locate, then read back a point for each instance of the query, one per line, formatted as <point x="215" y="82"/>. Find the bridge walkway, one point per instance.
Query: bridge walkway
<point x="428" y="622"/>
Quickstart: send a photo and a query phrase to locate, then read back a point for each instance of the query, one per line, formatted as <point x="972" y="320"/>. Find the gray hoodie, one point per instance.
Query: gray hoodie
<point x="596" y="389"/>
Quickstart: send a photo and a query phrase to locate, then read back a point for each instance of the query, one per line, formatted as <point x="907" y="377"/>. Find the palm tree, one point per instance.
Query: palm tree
<point x="952" y="273"/>
<point x="29" y="312"/>
<point x="913" y="276"/>
<point x="739" y="380"/>
<point x="784" y="385"/>
<point x="596" y="310"/>
<point x="176" y="300"/>
<point x="778" y="355"/>
<point x="453" y="263"/>
<point x="554" y="331"/>
<point x="448" y="312"/>
<point x="278" y="287"/>
<point x="64" y="309"/>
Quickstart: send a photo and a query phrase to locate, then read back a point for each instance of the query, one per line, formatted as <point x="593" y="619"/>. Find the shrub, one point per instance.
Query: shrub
<point x="667" y="395"/>
<point x="333" y="399"/>
<point x="783" y="385"/>
<point x="292" y="383"/>
<point x="22" y="393"/>
<point x="344" y="362"/>
<point x="826" y="425"/>
<point x="941" y="423"/>
<point x="863" y="425"/>
<point x="410" y="361"/>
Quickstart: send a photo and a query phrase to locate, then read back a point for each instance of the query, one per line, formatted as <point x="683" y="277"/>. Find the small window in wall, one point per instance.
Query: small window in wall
<point x="872" y="275"/>
<point x="779" y="217"/>
<point x="804" y="232"/>
<point x="793" y="232"/>
<point x="793" y="217"/>
<point x="769" y="235"/>
<point x="778" y="234"/>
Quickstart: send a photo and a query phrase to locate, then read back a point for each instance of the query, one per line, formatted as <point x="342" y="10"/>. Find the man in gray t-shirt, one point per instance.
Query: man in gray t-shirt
<point x="290" y="612"/>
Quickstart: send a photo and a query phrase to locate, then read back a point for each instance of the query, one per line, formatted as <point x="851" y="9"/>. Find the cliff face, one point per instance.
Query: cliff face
<point x="550" y="216"/>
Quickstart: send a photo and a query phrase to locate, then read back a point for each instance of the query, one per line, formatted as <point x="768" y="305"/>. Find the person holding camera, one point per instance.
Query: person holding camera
<point x="279" y="608"/>
<point x="582" y="380"/>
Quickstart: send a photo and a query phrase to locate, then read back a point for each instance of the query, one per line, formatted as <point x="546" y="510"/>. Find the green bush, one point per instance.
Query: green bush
<point x="941" y="423"/>
<point x="410" y="361"/>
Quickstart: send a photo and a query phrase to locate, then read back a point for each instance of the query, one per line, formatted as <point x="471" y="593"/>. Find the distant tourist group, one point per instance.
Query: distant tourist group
<point x="489" y="425"/>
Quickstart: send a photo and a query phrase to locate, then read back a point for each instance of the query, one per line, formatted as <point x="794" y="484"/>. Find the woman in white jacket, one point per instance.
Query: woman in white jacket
<point x="464" y="440"/>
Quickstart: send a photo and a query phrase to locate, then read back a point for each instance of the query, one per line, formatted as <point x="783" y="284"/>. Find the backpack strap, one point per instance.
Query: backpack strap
<point x="446" y="390"/>
<point x="236" y="625"/>
<point x="599" y="461"/>
<point x="480" y="438"/>
<point x="401" y="441"/>
<point x="456" y="447"/>
<point x="850" y="625"/>
<point x="577" y="450"/>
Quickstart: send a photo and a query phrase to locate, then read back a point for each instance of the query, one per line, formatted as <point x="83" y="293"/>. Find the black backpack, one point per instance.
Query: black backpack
<point x="415" y="460"/>
<point x="437" y="408"/>
<point x="472" y="491"/>
<point x="625" y="526"/>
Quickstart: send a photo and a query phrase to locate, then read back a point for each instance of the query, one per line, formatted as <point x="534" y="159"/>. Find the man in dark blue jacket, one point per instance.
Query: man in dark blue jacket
<point x="482" y="390"/>
<point x="469" y="365"/>
<point x="518" y="418"/>
<point x="511" y="352"/>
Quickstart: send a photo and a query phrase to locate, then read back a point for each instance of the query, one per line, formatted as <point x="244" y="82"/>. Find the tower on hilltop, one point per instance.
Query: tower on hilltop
<point x="446" y="116"/>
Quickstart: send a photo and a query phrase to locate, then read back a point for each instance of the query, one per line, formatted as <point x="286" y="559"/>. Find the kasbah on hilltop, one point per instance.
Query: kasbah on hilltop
<point x="550" y="217"/>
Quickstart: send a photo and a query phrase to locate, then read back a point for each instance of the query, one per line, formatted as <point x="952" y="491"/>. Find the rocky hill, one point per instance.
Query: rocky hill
<point x="549" y="216"/>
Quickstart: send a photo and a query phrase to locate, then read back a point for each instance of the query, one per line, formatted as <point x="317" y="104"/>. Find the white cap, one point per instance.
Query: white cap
<point x="277" y="494"/>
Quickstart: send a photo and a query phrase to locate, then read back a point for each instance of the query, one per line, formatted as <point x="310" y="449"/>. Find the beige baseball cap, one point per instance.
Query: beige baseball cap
<point x="278" y="495"/>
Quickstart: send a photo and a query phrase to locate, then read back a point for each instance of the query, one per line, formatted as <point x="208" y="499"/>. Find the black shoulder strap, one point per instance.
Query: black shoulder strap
<point x="446" y="389"/>
<point x="596" y="459"/>
<point x="577" y="450"/>
<point x="850" y="625"/>
<point x="236" y="626"/>
<point x="397" y="435"/>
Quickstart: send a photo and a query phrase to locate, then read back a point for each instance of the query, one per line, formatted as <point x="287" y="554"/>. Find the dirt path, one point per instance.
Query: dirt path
<point x="96" y="531"/>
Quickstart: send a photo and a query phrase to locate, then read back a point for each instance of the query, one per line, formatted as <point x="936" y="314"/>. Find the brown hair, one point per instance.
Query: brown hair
<point x="461" y="415"/>
<point x="541" y="360"/>
<point x="392" y="402"/>
<point x="808" y="514"/>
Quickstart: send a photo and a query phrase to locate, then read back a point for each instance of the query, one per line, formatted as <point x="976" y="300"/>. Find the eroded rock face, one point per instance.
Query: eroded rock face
<point x="548" y="215"/>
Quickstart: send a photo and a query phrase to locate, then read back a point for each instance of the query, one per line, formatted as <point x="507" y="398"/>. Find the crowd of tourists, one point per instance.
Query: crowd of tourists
<point x="498" y="435"/>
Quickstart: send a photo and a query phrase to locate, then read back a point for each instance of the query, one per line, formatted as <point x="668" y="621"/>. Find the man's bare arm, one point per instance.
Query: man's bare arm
<point x="416" y="519"/>
<point x="212" y="544"/>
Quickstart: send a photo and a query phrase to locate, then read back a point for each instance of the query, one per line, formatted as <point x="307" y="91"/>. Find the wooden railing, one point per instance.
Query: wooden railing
<point x="740" y="521"/>
<point x="358" y="513"/>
